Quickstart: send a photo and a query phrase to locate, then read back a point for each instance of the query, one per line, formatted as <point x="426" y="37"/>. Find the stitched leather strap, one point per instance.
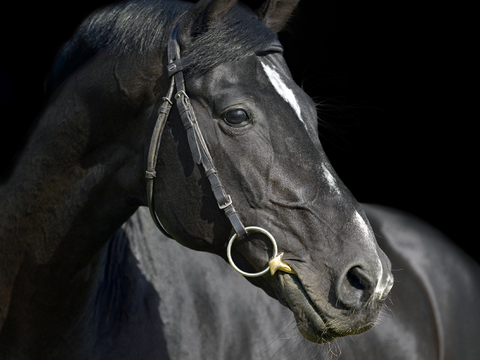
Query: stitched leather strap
<point x="198" y="147"/>
<point x="150" y="173"/>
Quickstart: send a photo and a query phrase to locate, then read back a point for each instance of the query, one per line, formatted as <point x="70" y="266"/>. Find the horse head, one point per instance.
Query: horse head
<point x="260" y="130"/>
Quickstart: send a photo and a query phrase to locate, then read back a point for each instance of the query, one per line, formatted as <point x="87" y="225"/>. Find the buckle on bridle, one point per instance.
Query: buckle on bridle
<point x="229" y="202"/>
<point x="180" y="93"/>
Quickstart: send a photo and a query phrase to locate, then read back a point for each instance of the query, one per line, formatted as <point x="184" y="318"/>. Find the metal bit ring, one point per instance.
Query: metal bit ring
<point x="251" y="229"/>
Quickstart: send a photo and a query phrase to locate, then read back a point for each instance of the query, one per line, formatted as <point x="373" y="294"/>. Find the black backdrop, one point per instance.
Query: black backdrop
<point x="391" y="79"/>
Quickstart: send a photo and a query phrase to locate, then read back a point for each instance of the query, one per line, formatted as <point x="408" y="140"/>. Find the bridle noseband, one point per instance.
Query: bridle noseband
<point x="201" y="156"/>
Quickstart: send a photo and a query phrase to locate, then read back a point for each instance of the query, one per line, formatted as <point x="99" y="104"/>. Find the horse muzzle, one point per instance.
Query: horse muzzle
<point x="348" y="304"/>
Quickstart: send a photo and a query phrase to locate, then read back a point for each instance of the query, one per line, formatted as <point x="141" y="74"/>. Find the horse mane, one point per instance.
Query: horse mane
<point x="140" y="27"/>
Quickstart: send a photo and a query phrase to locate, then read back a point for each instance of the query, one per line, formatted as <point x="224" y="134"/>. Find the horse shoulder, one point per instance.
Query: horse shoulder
<point x="206" y="310"/>
<point x="432" y="275"/>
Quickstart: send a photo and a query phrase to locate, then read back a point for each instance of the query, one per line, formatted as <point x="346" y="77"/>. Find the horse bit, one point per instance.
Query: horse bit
<point x="201" y="156"/>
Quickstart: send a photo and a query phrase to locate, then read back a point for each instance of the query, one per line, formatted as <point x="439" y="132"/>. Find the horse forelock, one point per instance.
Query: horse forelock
<point x="235" y="37"/>
<point x="141" y="27"/>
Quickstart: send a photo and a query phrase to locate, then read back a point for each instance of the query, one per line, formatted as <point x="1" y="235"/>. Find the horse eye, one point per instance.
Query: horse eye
<point x="236" y="117"/>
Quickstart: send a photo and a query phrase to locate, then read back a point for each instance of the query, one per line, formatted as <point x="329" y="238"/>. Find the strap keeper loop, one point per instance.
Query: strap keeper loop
<point x="150" y="174"/>
<point x="166" y="99"/>
<point x="210" y="172"/>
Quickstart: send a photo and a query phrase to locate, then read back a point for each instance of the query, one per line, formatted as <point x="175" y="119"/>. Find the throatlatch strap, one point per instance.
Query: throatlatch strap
<point x="150" y="174"/>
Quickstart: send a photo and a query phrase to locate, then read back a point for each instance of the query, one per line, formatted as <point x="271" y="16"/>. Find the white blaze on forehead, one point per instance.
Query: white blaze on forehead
<point x="283" y="90"/>
<point x="330" y="179"/>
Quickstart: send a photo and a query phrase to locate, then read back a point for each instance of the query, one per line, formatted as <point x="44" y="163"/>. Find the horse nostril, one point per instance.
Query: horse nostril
<point x="354" y="288"/>
<point x="354" y="279"/>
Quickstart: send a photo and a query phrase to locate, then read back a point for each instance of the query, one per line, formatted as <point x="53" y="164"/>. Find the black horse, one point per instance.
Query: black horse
<point x="201" y="309"/>
<point x="69" y="292"/>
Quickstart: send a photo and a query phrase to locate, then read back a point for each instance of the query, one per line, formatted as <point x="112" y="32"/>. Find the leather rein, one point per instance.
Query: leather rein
<point x="201" y="156"/>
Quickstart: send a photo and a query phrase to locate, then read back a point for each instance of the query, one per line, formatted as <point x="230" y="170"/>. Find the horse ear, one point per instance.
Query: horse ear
<point x="208" y="12"/>
<point x="276" y="13"/>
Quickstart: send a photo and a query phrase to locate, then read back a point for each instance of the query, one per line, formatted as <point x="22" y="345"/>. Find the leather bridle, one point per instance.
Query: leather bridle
<point x="200" y="154"/>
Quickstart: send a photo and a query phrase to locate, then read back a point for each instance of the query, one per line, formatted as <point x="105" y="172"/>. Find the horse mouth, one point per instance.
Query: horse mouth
<point x="312" y="321"/>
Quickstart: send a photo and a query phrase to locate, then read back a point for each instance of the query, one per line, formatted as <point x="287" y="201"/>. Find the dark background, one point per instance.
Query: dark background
<point x="392" y="81"/>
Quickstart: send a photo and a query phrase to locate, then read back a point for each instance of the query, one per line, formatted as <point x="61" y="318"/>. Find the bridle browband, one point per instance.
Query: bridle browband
<point x="200" y="154"/>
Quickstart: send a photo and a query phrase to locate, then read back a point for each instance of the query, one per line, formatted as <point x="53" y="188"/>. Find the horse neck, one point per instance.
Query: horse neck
<point x="73" y="186"/>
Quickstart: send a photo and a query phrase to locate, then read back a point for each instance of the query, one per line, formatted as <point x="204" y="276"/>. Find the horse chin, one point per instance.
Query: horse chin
<point x="312" y="321"/>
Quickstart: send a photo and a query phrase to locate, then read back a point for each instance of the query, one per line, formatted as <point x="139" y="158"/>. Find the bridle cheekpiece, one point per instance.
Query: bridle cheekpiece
<point x="201" y="156"/>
